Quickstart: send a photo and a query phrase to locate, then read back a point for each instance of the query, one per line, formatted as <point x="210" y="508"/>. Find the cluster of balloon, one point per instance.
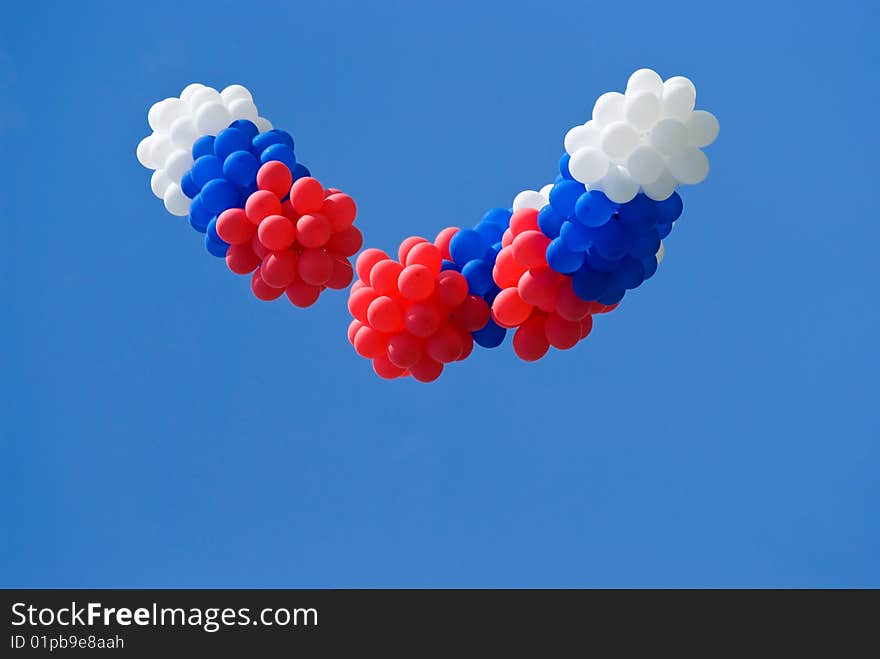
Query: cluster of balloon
<point x="412" y="316"/>
<point x="237" y="178"/>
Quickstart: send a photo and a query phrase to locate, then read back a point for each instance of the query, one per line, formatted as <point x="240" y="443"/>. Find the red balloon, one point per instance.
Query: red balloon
<point x="358" y="284"/>
<point x="346" y="243"/>
<point x="241" y="259"/>
<point x="529" y="341"/>
<point x="586" y="326"/>
<point x="425" y="254"/>
<point x="404" y="349"/>
<point x="359" y="301"/>
<point x="525" y="219"/>
<point x="302" y="294"/>
<point x="262" y="290"/>
<point x="307" y="195"/>
<point x="507" y="271"/>
<point x="568" y="304"/>
<point x="259" y="248"/>
<point x="330" y="191"/>
<point x="408" y="244"/>
<point x="443" y="239"/>
<point x="276" y="232"/>
<point x="472" y="314"/>
<point x="451" y="287"/>
<point x="385" y="369"/>
<point x="445" y="345"/>
<point x="275" y="177"/>
<point x="415" y="282"/>
<point x="385" y="314"/>
<point x="288" y="211"/>
<point x="606" y="309"/>
<point x="261" y="204"/>
<point x="383" y="277"/>
<point x="315" y="266"/>
<point x="530" y="249"/>
<point x="369" y="343"/>
<point x="538" y="288"/>
<point x="342" y="273"/>
<point x="467" y="340"/>
<point x="507" y="238"/>
<point x="426" y="370"/>
<point x="279" y="268"/>
<point x="366" y="260"/>
<point x="340" y="209"/>
<point x="509" y="309"/>
<point x="561" y="333"/>
<point x="313" y="230"/>
<point x="422" y="319"/>
<point x="353" y="327"/>
<point x="234" y="227"/>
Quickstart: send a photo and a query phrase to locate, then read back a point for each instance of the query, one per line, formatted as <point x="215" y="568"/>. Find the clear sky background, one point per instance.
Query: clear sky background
<point x="162" y="427"/>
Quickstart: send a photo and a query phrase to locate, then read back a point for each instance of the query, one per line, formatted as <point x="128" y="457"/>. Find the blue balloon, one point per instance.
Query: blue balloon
<point x="214" y="243"/>
<point x="491" y="232"/>
<point x="229" y="140"/>
<point x="564" y="196"/>
<point x="264" y="140"/>
<point x="644" y="244"/>
<point x="478" y="273"/>
<point x="599" y="262"/>
<point x="206" y="168"/>
<point x="564" y="172"/>
<point x="611" y="241"/>
<point x="561" y="259"/>
<point x="590" y="284"/>
<point x="241" y="167"/>
<point x="467" y="245"/>
<point x="639" y="214"/>
<point x="664" y="229"/>
<point x="669" y="210"/>
<point x="280" y="152"/>
<point x="575" y="236"/>
<point x="549" y="221"/>
<point x="204" y="146"/>
<point x="189" y="187"/>
<point x="650" y="266"/>
<point x="300" y="171"/>
<point x="249" y="128"/>
<point x="498" y="216"/>
<point x="449" y="265"/>
<point x="559" y="177"/>
<point x="199" y="216"/>
<point x="593" y="208"/>
<point x="218" y="195"/>
<point x="629" y="275"/>
<point x="612" y="296"/>
<point x="245" y="192"/>
<point x="491" y="336"/>
<point x="490" y="295"/>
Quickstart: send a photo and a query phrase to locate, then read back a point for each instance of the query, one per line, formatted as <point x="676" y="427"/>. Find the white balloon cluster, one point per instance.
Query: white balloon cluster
<point x="178" y="122"/>
<point x="648" y="139"/>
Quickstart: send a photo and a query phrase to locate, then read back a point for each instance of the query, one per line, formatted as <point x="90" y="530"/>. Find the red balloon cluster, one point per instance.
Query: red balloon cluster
<point x="294" y="236"/>
<point x="539" y="302"/>
<point x="410" y="316"/>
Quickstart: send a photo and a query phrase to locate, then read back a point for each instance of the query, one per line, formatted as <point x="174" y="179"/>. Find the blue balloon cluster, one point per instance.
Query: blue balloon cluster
<point x="473" y="253"/>
<point x="606" y="248"/>
<point x="224" y="173"/>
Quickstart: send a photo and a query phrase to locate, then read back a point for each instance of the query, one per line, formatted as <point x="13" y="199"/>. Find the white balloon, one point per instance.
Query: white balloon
<point x="702" y="128"/>
<point x="153" y="112"/>
<point x="175" y="201"/>
<point x="618" y="185"/>
<point x="161" y="149"/>
<point x="242" y="108"/>
<point x="645" y="165"/>
<point x="645" y="80"/>
<point x="183" y="132"/>
<point x="159" y="183"/>
<point x="669" y="136"/>
<point x="189" y="90"/>
<point x="641" y="109"/>
<point x="170" y="110"/>
<point x="588" y="164"/>
<point x="662" y="188"/>
<point x="529" y="199"/>
<point x="608" y="108"/>
<point x="211" y="118"/>
<point x="690" y="166"/>
<point x="204" y="96"/>
<point x="263" y="124"/>
<point x="618" y="139"/>
<point x="235" y="92"/>
<point x="177" y="164"/>
<point x="679" y="97"/>
<point x="545" y="192"/>
<point x="145" y="152"/>
<point x="660" y="253"/>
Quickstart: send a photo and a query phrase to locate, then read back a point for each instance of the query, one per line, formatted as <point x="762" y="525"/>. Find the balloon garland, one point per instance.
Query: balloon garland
<point x="541" y="268"/>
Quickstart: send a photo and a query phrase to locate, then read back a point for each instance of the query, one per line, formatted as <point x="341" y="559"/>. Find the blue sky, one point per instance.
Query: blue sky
<point x="161" y="427"/>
